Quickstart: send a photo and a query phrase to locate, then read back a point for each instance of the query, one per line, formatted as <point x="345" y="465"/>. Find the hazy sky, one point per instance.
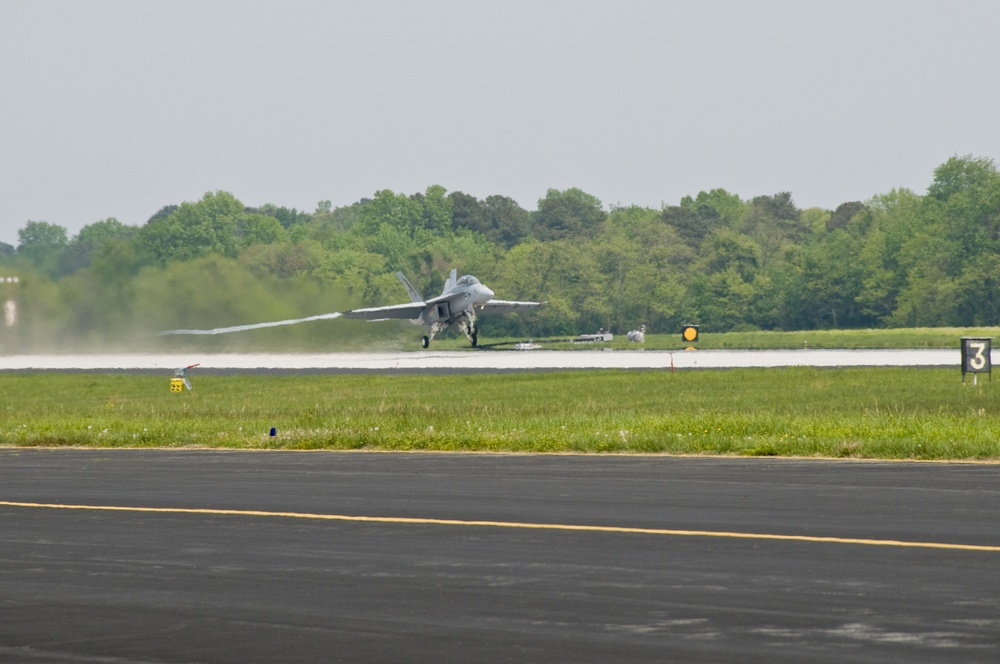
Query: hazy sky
<point x="117" y="108"/>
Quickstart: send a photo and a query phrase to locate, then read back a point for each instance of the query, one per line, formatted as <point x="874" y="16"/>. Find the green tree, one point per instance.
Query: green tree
<point x="564" y="274"/>
<point x="390" y="225"/>
<point x="42" y="244"/>
<point x="725" y="285"/>
<point x="466" y="212"/>
<point x="774" y="222"/>
<point x="287" y="217"/>
<point x="843" y="215"/>
<point x="400" y="213"/>
<point x="645" y="268"/>
<point x="832" y="283"/>
<point x="930" y="298"/>
<point x="328" y="223"/>
<point x="498" y="218"/>
<point x="506" y="223"/>
<point x="907" y="260"/>
<point x="437" y="210"/>
<point x="350" y="264"/>
<point x="728" y="250"/>
<point x="879" y="282"/>
<point x="284" y="259"/>
<point x="722" y="300"/>
<point x="692" y="224"/>
<point x="729" y="206"/>
<point x="194" y="229"/>
<point x="961" y="174"/>
<point x="163" y="213"/>
<point x="567" y="215"/>
<point x="966" y="194"/>
<point x="977" y="292"/>
<point x="91" y="240"/>
<point x="252" y="229"/>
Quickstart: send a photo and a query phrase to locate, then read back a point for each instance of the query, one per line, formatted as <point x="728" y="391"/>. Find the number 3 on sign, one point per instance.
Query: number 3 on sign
<point x="977" y="362"/>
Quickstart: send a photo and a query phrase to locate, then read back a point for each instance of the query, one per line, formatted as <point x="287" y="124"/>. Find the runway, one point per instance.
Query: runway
<point x="484" y="360"/>
<point x="205" y="556"/>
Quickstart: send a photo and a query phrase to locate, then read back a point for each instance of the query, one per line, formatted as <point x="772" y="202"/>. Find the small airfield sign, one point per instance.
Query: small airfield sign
<point x="976" y="356"/>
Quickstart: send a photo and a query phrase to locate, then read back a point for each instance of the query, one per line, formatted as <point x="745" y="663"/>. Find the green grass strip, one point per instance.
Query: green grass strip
<point x="885" y="413"/>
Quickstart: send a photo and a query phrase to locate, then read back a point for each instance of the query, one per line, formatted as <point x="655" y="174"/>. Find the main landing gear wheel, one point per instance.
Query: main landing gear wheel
<point x="425" y="342"/>
<point x="475" y="339"/>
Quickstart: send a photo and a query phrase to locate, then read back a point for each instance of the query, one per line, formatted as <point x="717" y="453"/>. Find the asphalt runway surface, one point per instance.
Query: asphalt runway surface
<point x="215" y="556"/>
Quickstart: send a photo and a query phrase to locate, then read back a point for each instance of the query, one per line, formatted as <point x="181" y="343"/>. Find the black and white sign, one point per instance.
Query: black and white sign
<point x="976" y="356"/>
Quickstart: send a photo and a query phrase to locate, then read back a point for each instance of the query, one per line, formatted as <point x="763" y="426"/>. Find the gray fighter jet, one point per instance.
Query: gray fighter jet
<point x="462" y="301"/>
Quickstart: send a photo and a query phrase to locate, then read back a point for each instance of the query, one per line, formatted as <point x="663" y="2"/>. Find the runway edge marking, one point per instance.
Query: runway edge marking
<point x="511" y="524"/>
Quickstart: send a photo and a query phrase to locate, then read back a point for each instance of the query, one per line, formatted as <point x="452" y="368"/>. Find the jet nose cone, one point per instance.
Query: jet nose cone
<point x="487" y="293"/>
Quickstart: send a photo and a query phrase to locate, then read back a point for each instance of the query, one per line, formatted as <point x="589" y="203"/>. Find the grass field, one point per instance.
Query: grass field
<point x="866" y="413"/>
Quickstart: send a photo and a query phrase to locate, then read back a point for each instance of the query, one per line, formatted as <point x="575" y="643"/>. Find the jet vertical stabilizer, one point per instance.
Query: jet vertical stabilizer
<point x="451" y="282"/>
<point x="414" y="295"/>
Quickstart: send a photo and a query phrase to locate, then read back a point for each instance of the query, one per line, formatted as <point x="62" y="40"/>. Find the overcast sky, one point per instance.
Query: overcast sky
<point x="117" y="108"/>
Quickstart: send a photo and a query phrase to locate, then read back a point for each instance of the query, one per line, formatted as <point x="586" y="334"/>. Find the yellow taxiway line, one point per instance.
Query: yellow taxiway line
<point x="514" y="524"/>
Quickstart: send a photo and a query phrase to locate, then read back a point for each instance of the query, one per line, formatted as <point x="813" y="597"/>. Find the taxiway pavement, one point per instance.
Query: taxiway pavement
<point x="376" y="557"/>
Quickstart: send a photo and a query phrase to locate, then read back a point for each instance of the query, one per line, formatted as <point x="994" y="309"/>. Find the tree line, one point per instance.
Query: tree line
<point x="900" y="259"/>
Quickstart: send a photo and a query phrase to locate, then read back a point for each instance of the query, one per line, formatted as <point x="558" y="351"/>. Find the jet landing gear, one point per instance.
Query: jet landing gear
<point x="471" y="332"/>
<point x="431" y="332"/>
<point x="425" y="341"/>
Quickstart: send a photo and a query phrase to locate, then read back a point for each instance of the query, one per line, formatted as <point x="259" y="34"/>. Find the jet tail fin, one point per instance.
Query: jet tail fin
<point x="414" y="295"/>
<point x="451" y="282"/>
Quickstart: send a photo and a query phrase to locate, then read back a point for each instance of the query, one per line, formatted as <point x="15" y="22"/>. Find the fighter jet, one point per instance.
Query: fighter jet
<point x="462" y="301"/>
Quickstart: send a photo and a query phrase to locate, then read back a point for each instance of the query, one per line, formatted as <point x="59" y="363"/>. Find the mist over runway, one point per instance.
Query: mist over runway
<point x="485" y="360"/>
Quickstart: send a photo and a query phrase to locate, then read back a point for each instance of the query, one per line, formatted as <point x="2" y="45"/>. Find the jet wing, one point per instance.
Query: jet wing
<point x="407" y="311"/>
<point x="503" y="306"/>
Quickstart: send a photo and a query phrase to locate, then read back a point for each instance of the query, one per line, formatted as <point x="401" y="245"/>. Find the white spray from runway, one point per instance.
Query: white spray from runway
<point x="254" y="326"/>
